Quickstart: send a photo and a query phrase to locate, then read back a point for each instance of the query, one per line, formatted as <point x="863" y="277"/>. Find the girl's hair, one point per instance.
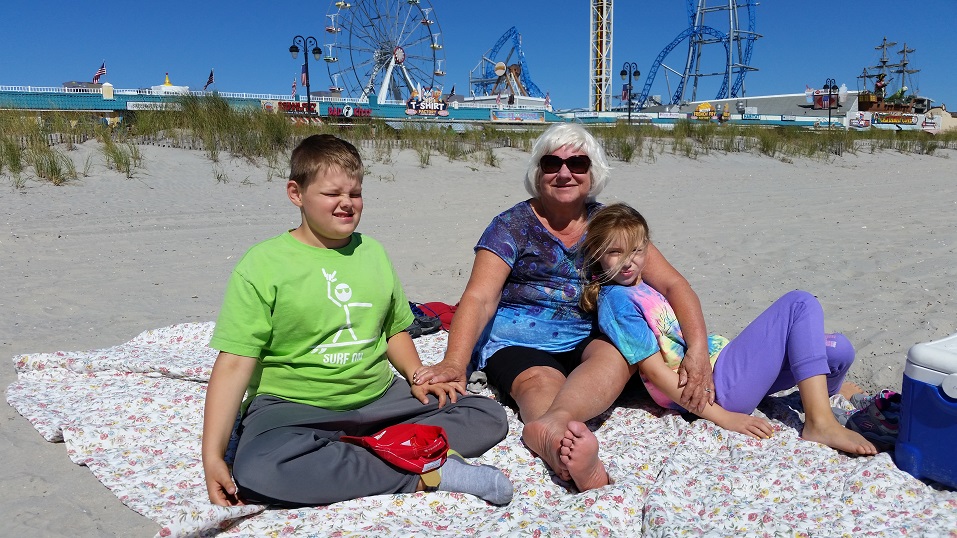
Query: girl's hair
<point x="616" y="222"/>
<point x="574" y="136"/>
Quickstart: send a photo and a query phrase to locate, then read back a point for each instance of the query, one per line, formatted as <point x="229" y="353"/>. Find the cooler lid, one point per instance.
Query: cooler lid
<point x="939" y="355"/>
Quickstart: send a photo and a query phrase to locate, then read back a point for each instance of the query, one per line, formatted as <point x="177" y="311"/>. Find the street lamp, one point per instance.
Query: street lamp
<point x="627" y="72"/>
<point x="316" y="52"/>
<point x="831" y="88"/>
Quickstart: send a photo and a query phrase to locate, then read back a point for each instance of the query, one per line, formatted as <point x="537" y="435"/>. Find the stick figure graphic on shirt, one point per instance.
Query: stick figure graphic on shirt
<point x="340" y="296"/>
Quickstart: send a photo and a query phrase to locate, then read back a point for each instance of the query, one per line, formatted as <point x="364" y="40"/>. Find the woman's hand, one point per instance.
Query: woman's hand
<point x="442" y="391"/>
<point x="220" y="485"/>
<point x="755" y="427"/>
<point x="696" y="381"/>
<point x="441" y="373"/>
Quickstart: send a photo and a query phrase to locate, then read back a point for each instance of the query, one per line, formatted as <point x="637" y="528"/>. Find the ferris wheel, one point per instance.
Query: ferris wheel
<point x="386" y="48"/>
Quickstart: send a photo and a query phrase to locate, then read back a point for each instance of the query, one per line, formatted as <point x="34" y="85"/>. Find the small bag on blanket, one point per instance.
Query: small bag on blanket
<point x="417" y="448"/>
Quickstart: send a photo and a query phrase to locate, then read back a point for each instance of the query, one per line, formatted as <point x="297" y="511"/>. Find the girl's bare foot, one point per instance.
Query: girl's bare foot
<point x="544" y="438"/>
<point x="579" y="454"/>
<point x="849" y="388"/>
<point x="838" y="437"/>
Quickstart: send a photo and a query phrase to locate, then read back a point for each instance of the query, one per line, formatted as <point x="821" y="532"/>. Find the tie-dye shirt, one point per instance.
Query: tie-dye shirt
<point x="639" y="321"/>
<point x="539" y="304"/>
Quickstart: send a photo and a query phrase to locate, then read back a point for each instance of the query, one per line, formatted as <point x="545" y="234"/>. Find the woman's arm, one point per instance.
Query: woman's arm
<point x="473" y="313"/>
<point x="405" y="359"/>
<point x="655" y="370"/>
<point x="224" y="394"/>
<point x="694" y="374"/>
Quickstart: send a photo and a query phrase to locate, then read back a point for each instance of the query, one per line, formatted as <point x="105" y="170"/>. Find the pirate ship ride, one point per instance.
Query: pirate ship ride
<point x="886" y="86"/>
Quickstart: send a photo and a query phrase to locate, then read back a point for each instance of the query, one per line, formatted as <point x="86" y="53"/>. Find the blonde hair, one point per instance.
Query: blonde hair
<point x="616" y="222"/>
<point x="320" y="153"/>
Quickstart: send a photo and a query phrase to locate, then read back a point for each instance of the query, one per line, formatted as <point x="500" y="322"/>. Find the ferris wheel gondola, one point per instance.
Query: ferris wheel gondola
<point x="389" y="48"/>
<point x="332" y="28"/>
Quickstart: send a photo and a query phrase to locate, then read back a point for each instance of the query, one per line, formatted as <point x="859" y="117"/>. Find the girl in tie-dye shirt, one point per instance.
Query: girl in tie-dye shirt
<point x="785" y="346"/>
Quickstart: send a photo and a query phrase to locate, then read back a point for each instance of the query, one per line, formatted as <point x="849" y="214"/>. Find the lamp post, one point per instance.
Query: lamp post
<point x="316" y="52"/>
<point x="629" y="70"/>
<point x="831" y="88"/>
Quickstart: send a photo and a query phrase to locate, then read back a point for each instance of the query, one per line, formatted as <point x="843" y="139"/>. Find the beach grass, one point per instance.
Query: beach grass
<point x="209" y="124"/>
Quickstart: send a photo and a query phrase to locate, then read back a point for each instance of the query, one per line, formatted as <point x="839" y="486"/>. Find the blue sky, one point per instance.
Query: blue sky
<point x="45" y="43"/>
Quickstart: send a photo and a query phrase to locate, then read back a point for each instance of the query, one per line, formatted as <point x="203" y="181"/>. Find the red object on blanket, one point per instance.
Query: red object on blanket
<point x="440" y="310"/>
<point x="418" y="448"/>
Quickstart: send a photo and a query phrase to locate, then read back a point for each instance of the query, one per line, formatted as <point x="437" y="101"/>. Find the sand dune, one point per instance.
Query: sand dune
<point x="95" y="262"/>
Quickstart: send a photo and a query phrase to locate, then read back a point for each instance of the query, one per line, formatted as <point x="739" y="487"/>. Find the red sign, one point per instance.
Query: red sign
<point x="295" y="107"/>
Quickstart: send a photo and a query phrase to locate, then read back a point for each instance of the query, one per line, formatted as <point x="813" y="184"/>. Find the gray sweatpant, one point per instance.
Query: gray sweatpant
<point x="290" y="453"/>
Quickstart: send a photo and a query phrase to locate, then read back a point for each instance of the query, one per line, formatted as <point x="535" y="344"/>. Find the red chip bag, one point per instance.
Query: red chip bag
<point x="418" y="448"/>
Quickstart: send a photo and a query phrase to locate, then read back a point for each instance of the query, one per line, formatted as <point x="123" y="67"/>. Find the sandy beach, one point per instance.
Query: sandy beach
<point x="93" y="263"/>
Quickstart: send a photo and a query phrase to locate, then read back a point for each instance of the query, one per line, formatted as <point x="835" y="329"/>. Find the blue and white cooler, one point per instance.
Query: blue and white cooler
<point x="927" y="439"/>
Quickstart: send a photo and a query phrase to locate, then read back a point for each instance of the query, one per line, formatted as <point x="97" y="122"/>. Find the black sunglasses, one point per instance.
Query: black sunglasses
<point x="577" y="164"/>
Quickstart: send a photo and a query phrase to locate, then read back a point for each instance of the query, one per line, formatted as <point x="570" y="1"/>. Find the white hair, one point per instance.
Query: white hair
<point x="574" y="136"/>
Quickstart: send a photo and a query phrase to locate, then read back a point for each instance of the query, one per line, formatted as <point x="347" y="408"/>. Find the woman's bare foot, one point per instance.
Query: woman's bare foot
<point x="849" y="388"/>
<point x="544" y="438"/>
<point x="579" y="454"/>
<point x="838" y="437"/>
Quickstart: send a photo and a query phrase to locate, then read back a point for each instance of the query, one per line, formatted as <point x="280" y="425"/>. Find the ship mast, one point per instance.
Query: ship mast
<point x="884" y="65"/>
<point x="903" y="71"/>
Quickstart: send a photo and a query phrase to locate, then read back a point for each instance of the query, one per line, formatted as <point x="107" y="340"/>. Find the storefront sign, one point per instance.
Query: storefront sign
<point x="430" y="103"/>
<point x="141" y="105"/>
<point x="348" y="111"/>
<point x="890" y="118"/>
<point x="704" y="112"/>
<point x="524" y="116"/>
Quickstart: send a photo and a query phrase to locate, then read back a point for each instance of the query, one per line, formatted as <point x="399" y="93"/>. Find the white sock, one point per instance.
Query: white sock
<point x="483" y="481"/>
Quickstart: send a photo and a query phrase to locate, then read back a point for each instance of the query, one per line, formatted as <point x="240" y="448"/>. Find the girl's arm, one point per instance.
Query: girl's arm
<point x="695" y="370"/>
<point x="405" y="359"/>
<point x="665" y="379"/>
<point x="224" y="394"/>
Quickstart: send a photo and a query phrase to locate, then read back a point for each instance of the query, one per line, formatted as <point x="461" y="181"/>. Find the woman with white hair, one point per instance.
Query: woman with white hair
<point x="519" y="320"/>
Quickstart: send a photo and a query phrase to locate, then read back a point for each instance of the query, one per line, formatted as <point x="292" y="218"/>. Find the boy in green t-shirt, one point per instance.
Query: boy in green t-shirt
<point x="309" y="321"/>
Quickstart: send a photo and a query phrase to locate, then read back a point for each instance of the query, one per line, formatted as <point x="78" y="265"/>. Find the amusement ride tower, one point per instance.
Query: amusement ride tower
<point x="599" y="56"/>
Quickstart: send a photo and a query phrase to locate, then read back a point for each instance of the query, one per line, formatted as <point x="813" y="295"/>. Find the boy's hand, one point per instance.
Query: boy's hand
<point x="219" y="484"/>
<point x="442" y="391"/>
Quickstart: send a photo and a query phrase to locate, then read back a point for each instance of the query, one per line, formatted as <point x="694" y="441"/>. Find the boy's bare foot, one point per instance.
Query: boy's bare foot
<point x="579" y="454"/>
<point x="849" y="388"/>
<point x="838" y="437"/>
<point x="544" y="438"/>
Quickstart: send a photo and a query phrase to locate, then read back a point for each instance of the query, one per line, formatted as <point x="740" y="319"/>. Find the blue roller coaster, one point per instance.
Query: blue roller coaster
<point x="737" y="44"/>
<point x="494" y="74"/>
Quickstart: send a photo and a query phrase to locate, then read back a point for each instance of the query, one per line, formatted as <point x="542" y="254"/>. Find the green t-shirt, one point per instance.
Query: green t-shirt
<point x="316" y="319"/>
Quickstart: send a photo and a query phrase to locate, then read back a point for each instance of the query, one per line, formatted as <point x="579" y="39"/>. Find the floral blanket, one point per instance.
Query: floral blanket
<point x="133" y="415"/>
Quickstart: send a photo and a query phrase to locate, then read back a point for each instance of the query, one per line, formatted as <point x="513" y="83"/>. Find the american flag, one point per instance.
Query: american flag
<point x="293" y="87"/>
<point x="548" y="100"/>
<point x="305" y="76"/>
<point x="498" y="98"/>
<point x="210" y="80"/>
<point x="624" y="92"/>
<point x="99" y="73"/>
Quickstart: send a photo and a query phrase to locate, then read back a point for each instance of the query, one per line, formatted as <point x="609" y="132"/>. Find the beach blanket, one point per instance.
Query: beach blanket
<point x="133" y="414"/>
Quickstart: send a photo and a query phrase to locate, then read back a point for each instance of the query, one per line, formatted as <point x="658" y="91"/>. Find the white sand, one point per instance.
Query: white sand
<point x="93" y="263"/>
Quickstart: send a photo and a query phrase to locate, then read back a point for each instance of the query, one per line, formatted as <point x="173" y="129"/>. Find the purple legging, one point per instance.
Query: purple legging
<point x="784" y="345"/>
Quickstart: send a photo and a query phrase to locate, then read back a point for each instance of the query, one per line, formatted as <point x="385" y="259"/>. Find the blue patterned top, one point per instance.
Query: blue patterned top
<point x="539" y="303"/>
